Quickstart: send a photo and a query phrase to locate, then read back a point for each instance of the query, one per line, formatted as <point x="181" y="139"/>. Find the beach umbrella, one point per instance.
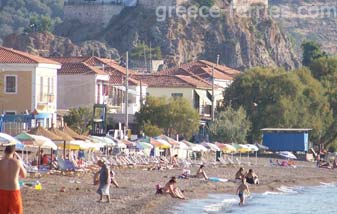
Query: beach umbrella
<point x="168" y="139"/>
<point x="288" y="155"/>
<point x="253" y="148"/>
<point x="65" y="138"/>
<point x="7" y="140"/>
<point x="262" y="147"/>
<point x="45" y="133"/>
<point x="143" y="145"/>
<point x="71" y="145"/>
<point x="43" y="142"/>
<point x="199" y="148"/>
<point x="211" y="146"/>
<point x="72" y="133"/>
<point x="160" y="143"/>
<point x="228" y="148"/>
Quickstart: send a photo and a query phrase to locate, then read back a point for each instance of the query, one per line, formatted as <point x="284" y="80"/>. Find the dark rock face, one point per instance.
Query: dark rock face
<point x="47" y="44"/>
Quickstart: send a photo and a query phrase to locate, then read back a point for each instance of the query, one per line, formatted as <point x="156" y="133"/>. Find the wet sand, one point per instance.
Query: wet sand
<point x="137" y="192"/>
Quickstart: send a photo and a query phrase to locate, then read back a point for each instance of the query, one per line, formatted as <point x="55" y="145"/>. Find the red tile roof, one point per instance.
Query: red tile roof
<point x="171" y="81"/>
<point x="9" y="56"/>
<point x="76" y="65"/>
<point x="203" y="70"/>
<point x="95" y="65"/>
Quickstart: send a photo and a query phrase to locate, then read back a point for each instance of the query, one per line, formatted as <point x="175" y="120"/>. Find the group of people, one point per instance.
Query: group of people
<point x="244" y="178"/>
<point x="249" y="176"/>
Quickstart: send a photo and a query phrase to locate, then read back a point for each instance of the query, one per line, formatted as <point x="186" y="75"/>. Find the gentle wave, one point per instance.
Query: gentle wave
<point x="288" y="190"/>
<point x="225" y="205"/>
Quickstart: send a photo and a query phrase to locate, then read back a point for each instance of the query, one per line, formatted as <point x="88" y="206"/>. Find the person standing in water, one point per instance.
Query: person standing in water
<point x="10" y="171"/>
<point x="242" y="189"/>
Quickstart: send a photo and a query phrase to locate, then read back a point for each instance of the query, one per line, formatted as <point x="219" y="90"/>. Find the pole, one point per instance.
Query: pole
<point x="150" y="58"/>
<point x="213" y="97"/>
<point x="127" y="95"/>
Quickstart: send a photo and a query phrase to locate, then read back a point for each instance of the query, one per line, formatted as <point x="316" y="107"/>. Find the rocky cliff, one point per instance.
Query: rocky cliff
<point x="47" y="44"/>
<point x="241" y="42"/>
<point x="308" y="20"/>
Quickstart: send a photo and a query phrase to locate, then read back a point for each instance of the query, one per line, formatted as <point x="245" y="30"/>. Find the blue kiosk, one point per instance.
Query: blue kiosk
<point x="281" y="139"/>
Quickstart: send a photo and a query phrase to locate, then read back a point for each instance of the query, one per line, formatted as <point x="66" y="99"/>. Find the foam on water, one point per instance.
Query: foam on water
<point x="290" y="200"/>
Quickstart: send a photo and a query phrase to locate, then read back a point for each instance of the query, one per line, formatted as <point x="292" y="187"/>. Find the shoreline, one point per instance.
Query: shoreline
<point x="137" y="192"/>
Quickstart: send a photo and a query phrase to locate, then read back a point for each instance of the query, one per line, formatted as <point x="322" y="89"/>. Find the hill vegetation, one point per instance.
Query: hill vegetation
<point x="16" y="15"/>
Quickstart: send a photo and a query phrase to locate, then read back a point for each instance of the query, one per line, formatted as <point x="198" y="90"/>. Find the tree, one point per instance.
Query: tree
<point x="152" y="130"/>
<point x="138" y="52"/>
<point x="311" y="51"/>
<point x="325" y="70"/>
<point x="79" y="119"/>
<point x="174" y="116"/>
<point x="230" y="126"/>
<point x="275" y="98"/>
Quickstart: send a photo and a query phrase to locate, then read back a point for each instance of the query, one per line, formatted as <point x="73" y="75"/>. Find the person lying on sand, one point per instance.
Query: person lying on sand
<point x="102" y="177"/>
<point x="239" y="174"/>
<point x="241" y="190"/>
<point x="171" y="188"/>
<point x="201" y="173"/>
<point x="324" y="164"/>
<point x="251" y="177"/>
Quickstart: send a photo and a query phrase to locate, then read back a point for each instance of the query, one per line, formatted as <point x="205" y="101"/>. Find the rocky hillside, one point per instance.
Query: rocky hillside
<point x="47" y="44"/>
<point x="309" y="20"/>
<point x="241" y="42"/>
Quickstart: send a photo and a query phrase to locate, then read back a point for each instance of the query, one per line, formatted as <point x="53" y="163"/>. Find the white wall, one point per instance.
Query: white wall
<point x="76" y="90"/>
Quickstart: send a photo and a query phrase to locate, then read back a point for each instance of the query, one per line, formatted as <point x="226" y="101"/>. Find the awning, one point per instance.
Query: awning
<point x="203" y="96"/>
<point x="217" y="93"/>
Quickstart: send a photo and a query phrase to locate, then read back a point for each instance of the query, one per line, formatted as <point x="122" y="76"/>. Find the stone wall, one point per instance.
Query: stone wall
<point x="153" y="4"/>
<point x="92" y="14"/>
<point x="242" y="6"/>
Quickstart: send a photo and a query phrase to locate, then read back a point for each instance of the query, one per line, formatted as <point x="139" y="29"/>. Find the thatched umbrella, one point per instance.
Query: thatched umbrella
<point x="65" y="137"/>
<point x="72" y="133"/>
<point x="45" y="133"/>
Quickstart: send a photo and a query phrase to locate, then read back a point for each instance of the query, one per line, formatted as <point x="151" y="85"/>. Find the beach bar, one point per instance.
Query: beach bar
<point x="283" y="139"/>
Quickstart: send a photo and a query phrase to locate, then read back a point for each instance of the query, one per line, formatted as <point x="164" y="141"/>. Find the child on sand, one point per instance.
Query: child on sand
<point x="242" y="189"/>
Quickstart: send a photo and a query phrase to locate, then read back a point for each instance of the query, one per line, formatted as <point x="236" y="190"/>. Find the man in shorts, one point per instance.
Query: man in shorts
<point x="10" y="170"/>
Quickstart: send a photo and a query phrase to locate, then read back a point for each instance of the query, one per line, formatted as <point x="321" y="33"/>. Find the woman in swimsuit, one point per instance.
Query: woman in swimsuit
<point x="251" y="177"/>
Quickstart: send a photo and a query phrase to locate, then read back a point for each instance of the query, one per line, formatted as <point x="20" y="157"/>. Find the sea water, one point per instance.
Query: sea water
<point x="296" y="200"/>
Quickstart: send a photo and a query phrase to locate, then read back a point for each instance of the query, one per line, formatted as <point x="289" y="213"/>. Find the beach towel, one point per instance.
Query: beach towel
<point x="10" y="202"/>
<point x="215" y="179"/>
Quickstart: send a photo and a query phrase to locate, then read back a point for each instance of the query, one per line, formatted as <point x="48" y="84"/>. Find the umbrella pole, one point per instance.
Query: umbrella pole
<point x="256" y="158"/>
<point x="64" y="150"/>
<point x="51" y="157"/>
<point x="38" y="158"/>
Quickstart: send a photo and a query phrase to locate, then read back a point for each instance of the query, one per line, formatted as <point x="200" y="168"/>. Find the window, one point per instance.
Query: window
<point x="11" y="84"/>
<point x="176" y="95"/>
<point x="52" y="86"/>
<point x="41" y="89"/>
<point x="49" y="85"/>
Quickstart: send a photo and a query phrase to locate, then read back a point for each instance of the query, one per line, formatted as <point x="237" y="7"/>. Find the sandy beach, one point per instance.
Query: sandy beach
<point x="137" y="192"/>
